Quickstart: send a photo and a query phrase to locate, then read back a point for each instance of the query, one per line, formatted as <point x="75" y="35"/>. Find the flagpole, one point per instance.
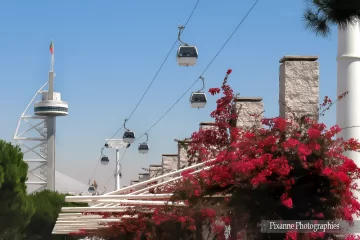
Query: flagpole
<point x="51" y="73"/>
<point x="52" y="57"/>
<point x="51" y="127"/>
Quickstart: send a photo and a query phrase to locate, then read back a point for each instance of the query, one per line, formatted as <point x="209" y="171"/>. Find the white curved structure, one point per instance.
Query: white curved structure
<point x="37" y="139"/>
<point x="348" y="79"/>
<point x="54" y="107"/>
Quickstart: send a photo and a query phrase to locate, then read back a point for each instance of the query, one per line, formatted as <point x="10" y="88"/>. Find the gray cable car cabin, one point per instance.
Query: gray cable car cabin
<point x="187" y="55"/>
<point x="143" y="148"/>
<point x="198" y="100"/>
<point x="91" y="189"/>
<point x="104" y="160"/>
<point x="129" y="137"/>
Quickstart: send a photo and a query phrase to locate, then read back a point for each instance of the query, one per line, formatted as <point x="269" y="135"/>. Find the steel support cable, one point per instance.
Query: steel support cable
<point x="207" y="67"/>
<point x="158" y="71"/>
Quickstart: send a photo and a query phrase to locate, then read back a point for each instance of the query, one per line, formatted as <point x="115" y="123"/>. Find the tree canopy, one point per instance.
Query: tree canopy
<point x="48" y="205"/>
<point x="320" y="15"/>
<point x="16" y="207"/>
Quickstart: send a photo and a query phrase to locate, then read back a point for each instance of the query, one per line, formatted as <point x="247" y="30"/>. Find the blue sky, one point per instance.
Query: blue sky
<point x="107" y="52"/>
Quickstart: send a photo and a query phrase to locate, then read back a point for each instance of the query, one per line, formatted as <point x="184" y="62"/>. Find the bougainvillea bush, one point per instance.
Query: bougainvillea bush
<point x="279" y="169"/>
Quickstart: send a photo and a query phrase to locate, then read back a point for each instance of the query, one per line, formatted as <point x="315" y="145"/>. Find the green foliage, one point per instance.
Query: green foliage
<point x="321" y="14"/>
<point x="48" y="205"/>
<point x="16" y="207"/>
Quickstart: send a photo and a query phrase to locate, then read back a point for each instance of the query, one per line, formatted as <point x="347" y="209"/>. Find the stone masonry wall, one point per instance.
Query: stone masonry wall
<point x="143" y="177"/>
<point x="169" y="163"/>
<point x="183" y="146"/>
<point x="206" y="125"/>
<point x="248" y="110"/>
<point x="299" y="86"/>
<point x="155" y="170"/>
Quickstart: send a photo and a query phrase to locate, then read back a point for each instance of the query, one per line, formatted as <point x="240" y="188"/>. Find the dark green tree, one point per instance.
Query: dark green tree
<point x="16" y="208"/>
<point x="320" y="15"/>
<point x="48" y="205"/>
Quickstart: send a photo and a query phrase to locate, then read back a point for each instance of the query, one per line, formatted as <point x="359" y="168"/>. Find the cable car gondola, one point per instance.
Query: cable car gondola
<point x="104" y="159"/>
<point x="198" y="99"/>
<point x="144" y="147"/>
<point x="186" y="54"/>
<point x="92" y="189"/>
<point x="129" y="136"/>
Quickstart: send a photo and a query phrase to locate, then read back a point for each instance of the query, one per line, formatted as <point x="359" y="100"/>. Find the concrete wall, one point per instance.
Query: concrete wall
<point x="299" y="86"/>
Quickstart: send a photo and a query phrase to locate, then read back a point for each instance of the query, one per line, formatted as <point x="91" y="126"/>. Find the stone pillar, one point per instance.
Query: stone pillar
<point x="132" y="182"/>
<point x="144" y="177"/>
<point x="299" y="86"/>
<point x="155" y="170"/>
<point x="249" y="111"/>
<point x="169" y="163"/>
<point x="206" y="125"/>
<point x="183" y="146"/>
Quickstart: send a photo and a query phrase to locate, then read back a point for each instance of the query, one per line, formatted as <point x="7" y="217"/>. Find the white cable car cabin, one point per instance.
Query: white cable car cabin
<point x="143" y="148"/>
<point x="129" y="137"/>
<point x="187" y="55"/>
<point x="104" y="160"/>
<point x="91" y="189"/>
<point x="198" y="100"/>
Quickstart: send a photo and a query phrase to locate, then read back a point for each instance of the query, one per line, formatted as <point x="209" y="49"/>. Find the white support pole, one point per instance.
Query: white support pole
<point x="117" y="174"/>
<point x="144" y="183"/>
<point x="116" y="197"/>
<point x="51" y="129"/>
<point x="88" y="221"/>
<point x="99" y="210"/>
<point x="348" y="79"/>
<point x="93" y="217"/>
<point x="137" y="202"/>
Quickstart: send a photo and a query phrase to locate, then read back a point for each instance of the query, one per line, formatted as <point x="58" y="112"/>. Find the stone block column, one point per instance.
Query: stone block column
<point x="299" y="86"/>
<point x="206" y="125"/>
<point x="183" y="146"/>
<point x="249" y="111"/>
<point x="144" y="177"/>
<point x="155" y="170"/>
<point x="169" y="163"/>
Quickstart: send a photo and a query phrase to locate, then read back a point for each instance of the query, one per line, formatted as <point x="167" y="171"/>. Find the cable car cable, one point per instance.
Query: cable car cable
<point x="95" y="170"/>
<point x="156" y="74"/>
<point x="158" y="71"/>
<point x="111" y="176"/>
<point x="207" y="67"/>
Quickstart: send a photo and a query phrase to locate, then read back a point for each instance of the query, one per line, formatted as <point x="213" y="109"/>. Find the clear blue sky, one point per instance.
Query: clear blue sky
<point x="107" y="52"/>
